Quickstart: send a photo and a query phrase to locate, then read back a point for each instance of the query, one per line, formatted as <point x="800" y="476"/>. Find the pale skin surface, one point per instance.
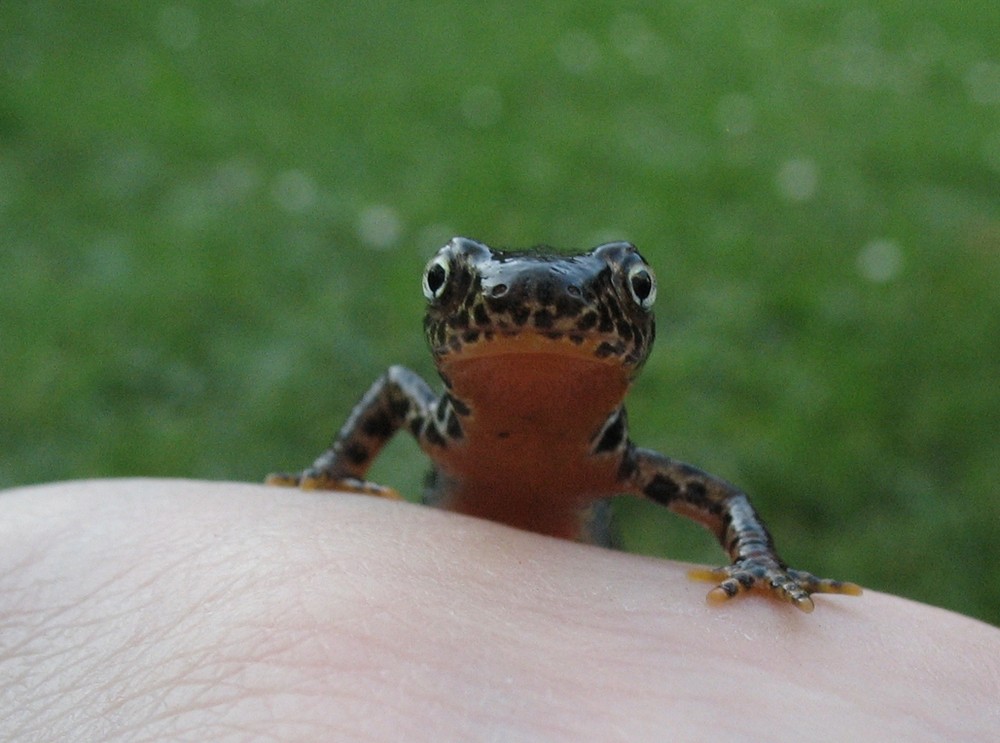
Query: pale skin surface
<point x="177" y="610"/>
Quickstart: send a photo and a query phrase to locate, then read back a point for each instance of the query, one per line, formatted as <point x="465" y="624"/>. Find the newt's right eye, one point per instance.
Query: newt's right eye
<point x="642" y="285"/>
<point x="436" y="277"/>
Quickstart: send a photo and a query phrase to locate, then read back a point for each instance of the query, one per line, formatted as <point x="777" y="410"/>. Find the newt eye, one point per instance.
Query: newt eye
<point x="436" y="277"/>
<point x="642" y="285"/>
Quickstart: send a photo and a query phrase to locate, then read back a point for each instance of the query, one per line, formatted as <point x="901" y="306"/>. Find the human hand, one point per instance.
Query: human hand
<point x="156" y="609"/>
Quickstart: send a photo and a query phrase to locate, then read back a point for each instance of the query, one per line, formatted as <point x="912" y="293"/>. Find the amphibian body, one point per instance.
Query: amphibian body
<point x="536" y="353"/>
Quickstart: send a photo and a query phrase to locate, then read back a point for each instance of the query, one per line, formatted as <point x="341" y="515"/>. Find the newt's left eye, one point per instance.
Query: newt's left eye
<point x="436" y="276"/>
<point x="642" y="285"/>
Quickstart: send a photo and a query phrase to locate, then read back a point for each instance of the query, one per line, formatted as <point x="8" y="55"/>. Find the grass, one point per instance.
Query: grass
<point x="214" y="218"/>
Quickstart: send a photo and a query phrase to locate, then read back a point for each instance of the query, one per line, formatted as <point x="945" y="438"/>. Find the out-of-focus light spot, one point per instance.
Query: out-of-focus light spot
<point x="797" y="179"/>
<point x="734" y="114"/>
<point x="481" y="106"/>
<point x="234" y="180"/>
<point x="578" y="52"/>
<point x="124" y="172"/>
<point x="644" y="48"/>
<point x="294" y="191"/>
<point x="880" y="261"/>
<point x="862" y="65"/>
<point x="646" y="136"/>
<point x="983" y="82"/>
<point x="178" y="27"/>
<point x="109" y="258"/>
<point x="379" y="226"/>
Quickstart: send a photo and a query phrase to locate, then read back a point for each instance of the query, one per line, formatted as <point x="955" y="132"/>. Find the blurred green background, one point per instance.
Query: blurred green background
<point x="214" y="218"/>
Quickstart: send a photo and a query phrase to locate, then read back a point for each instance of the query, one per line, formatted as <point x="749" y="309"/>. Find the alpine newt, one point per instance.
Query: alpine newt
<point x="536" y="352"/>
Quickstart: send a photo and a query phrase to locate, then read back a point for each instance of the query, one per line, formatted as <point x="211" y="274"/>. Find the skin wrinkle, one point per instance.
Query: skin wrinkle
<point x="80" y="674"/>
<point x="219" y="670"/>
<point x="178" y="683"/>
<point x="270" y="652"/>
<point x="222" y="685"/>
<point x="153" y="647"/>
<point x="263" y="684"/>
<point x="131" y="648"/>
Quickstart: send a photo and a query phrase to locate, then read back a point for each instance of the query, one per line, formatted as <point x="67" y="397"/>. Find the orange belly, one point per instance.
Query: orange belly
<point x="525" y="457"/>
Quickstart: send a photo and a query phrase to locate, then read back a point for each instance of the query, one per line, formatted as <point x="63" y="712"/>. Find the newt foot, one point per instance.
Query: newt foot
<point x="316" y="480"/>
<point x="787" y="584"/>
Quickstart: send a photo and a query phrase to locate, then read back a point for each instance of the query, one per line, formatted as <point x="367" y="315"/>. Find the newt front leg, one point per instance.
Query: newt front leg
<point x="397" y="399"/>
<point x="727" y="512"/>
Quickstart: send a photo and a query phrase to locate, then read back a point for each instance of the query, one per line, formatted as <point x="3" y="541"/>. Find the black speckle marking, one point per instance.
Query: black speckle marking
<point x="575" y="338"/>
<point x="480" y="315"/>
<point x="615" y="309"/>
<point x="356" y="453"/>
<point x="606" y="324"/>
<point x="662" y="489"/>
<point x="624" y="331"/>
<point x="454" y="428"/>
<point x="545" y="293"/>
<point x="604" y="350"/>
<point x="458" y="320"/>
<point x="443" y="406"/>
<point x="613" y="435"/>
<point x="433" y="436"/>
<point x="378" y="425"/>
<point x="415" y="425"/>
<point x="566" y="306"/>
<point x="399" y="408"/>
<point x="696" y="491"/>
<point x="627" y="467"/>
<point x="586" y="321"/>
<point x="543" y="319"/>
<point x="520" y="315"/>
<point x="503" y="434"/>
<point x="460" y="407"/>
<point x="470" y="336"/>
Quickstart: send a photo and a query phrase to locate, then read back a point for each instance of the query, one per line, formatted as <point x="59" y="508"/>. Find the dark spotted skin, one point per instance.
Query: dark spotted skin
<point x="536" y="352"/>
